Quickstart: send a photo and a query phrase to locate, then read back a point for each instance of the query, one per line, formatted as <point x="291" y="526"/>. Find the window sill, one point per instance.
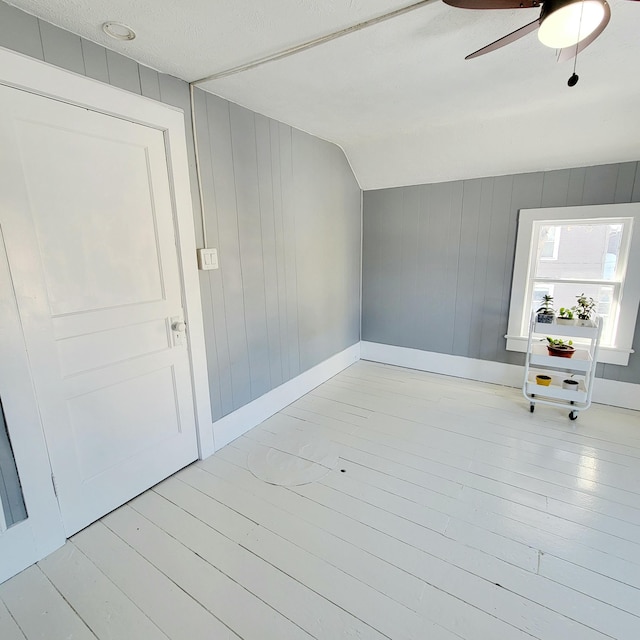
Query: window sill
<point x="607" y="355"/>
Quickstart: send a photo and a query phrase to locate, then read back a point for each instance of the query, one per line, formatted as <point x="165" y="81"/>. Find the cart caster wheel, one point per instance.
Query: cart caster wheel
<point x="532" y="407"/>
<point x="573" y="416"/>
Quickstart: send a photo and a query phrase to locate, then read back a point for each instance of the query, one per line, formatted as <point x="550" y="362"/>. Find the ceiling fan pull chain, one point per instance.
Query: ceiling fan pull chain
<point x="573" y="80"/>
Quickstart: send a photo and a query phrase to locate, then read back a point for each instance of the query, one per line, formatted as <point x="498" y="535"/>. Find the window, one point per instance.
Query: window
<point x="589" y="260"/>
<point x="565" y="252"/>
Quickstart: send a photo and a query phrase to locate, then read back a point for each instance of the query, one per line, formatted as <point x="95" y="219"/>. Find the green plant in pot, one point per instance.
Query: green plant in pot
<point x="558" y="347"/>
<point x="546" y="312"/>
<point x="584" y="309"/>
<point x="565" y="316"/>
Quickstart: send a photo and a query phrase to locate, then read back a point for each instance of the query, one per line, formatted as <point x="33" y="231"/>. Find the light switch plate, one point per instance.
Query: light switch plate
<point x="207" y="259"/>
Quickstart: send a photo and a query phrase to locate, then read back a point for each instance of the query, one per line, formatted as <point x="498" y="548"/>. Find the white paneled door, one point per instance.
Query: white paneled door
<point x="87" y="217"/>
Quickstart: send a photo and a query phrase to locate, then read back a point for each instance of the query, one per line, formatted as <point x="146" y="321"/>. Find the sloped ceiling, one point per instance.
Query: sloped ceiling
<point x="398" y="96"/>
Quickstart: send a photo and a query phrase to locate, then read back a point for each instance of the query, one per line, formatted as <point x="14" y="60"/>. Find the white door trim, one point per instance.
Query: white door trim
<point x="42" y="532"/>
<point x="35" y="76"/>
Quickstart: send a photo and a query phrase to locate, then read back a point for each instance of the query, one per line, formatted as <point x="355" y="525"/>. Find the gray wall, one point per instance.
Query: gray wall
<point x="438" y="258"/>
<point x="282" y="207"/>
<point x="284" y="210"/>
<point x="11" y="499"/>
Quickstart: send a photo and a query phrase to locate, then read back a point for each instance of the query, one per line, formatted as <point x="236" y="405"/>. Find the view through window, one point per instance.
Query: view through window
<point x="581" y="257"/>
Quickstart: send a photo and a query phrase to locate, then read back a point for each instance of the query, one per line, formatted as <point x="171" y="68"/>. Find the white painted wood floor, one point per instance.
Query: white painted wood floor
<point x="459" y="515"/>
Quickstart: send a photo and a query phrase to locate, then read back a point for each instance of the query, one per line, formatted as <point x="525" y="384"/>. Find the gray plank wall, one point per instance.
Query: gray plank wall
<point x="11" y="500"/>
<point x="438" y="258"/>
<point x="284" y="210"/>
<point x="282" y="207"/>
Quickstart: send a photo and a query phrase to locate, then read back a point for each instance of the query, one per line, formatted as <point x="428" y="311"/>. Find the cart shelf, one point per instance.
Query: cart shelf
<point x="582" y="364"/>
<point x="570" y="330"/>
<point x="555" y="390"/>
<point x="581" y="360"/>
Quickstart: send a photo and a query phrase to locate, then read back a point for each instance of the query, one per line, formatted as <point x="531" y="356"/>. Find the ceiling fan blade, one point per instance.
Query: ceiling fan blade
<point x="570" y="52"/>
<point x="505" y="40"/>
<point x="493" y="4"/>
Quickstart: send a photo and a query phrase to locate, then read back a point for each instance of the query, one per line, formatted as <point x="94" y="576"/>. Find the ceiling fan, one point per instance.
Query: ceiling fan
<point x="567" y="25"/>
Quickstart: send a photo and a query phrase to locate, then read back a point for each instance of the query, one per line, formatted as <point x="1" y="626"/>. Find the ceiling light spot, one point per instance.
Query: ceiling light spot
<point x="118" y="31"/>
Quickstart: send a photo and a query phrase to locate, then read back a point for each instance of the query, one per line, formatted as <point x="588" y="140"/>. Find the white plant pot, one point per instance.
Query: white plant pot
<point x="571" y="385"/>
<point x="566" y="321"/>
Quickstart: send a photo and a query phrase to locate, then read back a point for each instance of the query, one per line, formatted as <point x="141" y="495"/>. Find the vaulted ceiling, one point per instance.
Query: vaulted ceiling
<point x="397" y="96"/>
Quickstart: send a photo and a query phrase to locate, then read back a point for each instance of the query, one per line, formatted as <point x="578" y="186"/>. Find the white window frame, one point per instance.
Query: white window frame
<point x="519" y="309"/>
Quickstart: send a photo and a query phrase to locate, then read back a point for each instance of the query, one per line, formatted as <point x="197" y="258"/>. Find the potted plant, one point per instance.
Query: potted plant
<point x="565" y="316"/>
<point x="560" y="348"/>
<point x="584" y="310"/>
<point x="543" y="380"/>
<point x="546" y="312"/>
<point x="570" y="384"/>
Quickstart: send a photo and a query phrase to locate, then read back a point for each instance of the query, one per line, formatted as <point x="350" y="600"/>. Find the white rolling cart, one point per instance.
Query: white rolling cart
<point x="581" y="367"/>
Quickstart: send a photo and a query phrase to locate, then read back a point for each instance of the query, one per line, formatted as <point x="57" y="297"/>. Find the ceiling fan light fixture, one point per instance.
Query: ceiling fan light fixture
<point x="565" y="23"/>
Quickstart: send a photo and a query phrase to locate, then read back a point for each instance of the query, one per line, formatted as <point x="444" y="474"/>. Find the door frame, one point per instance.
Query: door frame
<point x="25" y="73"/>
<point x="42" y="532"/>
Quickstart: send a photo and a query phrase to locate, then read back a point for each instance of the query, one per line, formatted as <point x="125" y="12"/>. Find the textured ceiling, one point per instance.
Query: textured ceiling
<point x="398" y="97"/>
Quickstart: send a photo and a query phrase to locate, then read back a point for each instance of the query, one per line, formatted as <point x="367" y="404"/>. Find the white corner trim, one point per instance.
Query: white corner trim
<point x="235" y="424"/>
<point x="618" y="394"/>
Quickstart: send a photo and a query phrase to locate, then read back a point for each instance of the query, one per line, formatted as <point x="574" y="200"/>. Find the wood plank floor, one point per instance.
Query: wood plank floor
<point x="453" y="513"/>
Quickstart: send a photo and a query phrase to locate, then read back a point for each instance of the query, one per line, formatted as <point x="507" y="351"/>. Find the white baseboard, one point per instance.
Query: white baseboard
<point x="509" y="375"/>
<point x="232" y="426"/>
<point x="618" y="394"/>
<point x="235" y="424"/>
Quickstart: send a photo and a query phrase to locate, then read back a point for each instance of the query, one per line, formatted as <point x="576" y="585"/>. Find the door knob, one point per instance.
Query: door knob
<point x="179" y="326"/>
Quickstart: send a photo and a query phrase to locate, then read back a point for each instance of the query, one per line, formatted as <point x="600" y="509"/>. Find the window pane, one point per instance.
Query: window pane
<point x="550" y="243"/>
<point x="584" y="251"/>
<point x="541" y="289"/>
